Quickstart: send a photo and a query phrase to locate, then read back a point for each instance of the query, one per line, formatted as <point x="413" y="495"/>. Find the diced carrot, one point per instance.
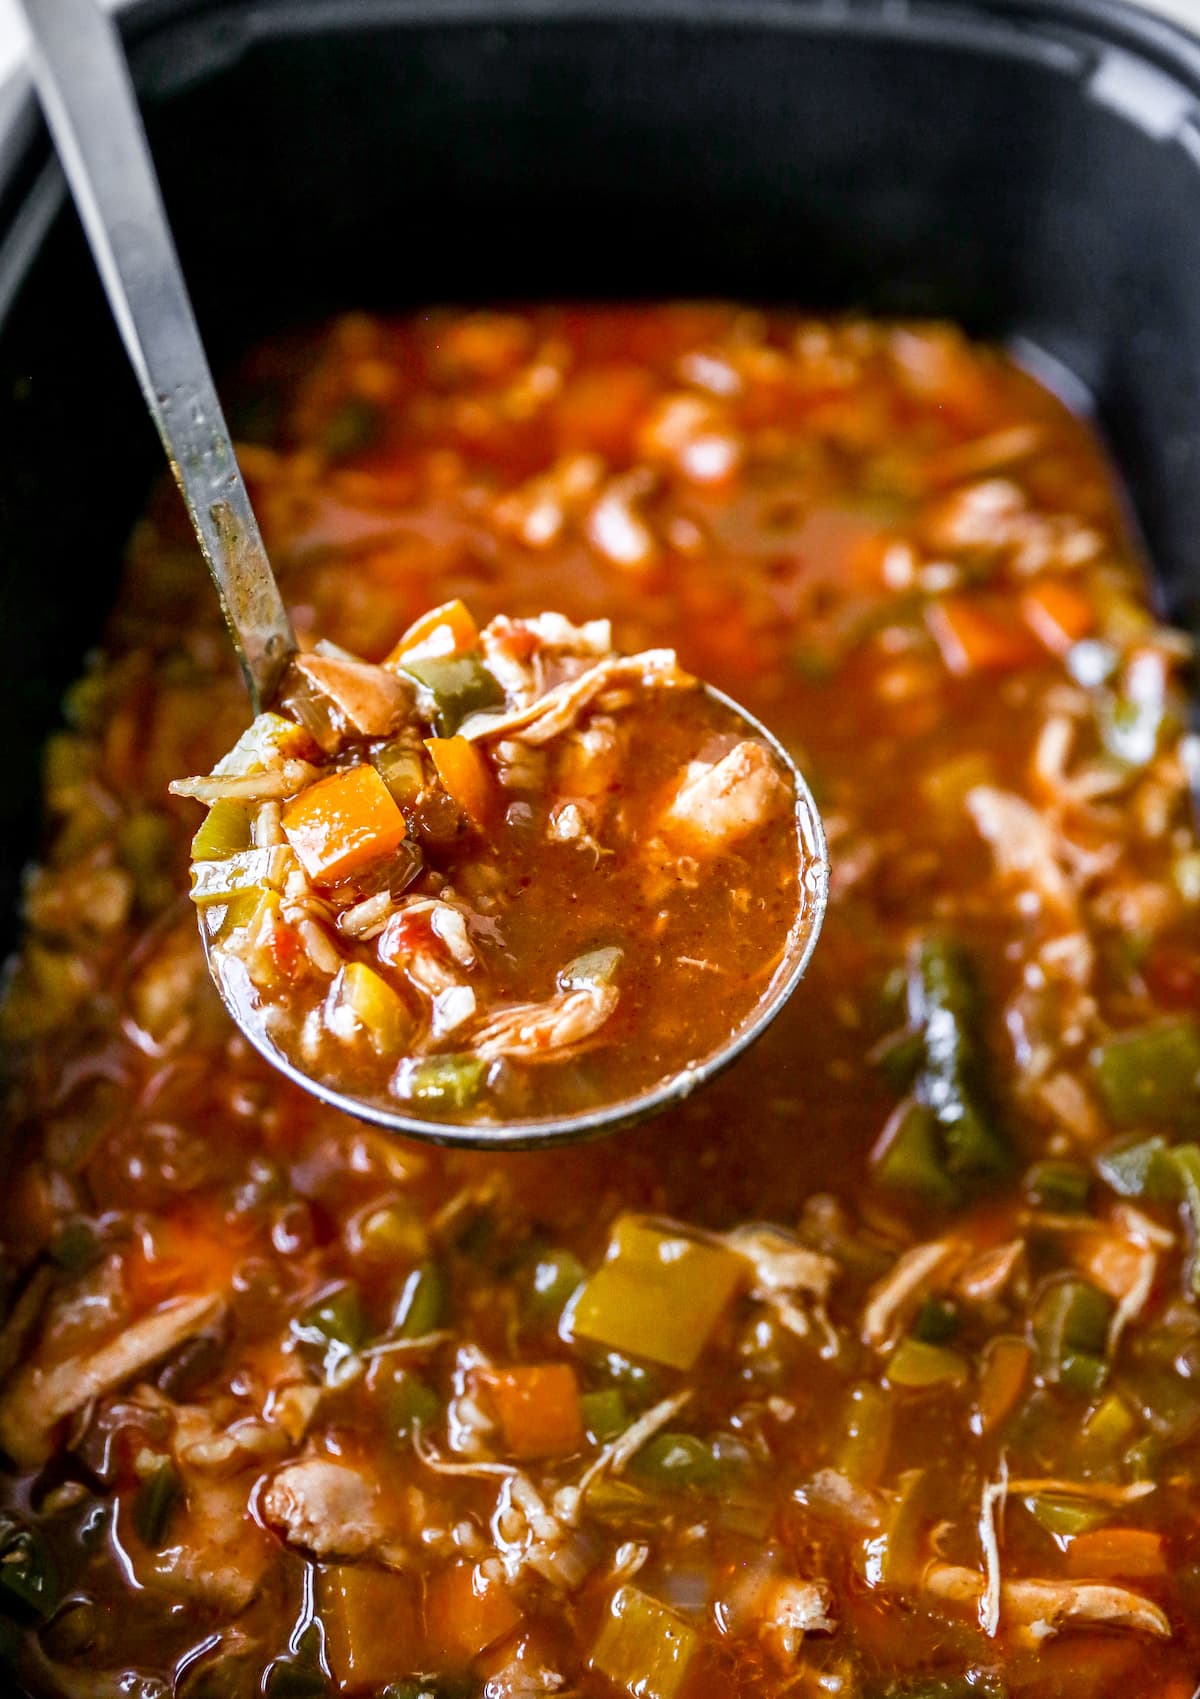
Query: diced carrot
<point x="372" y="1625"/>
<point x="601" y="407"/>
<point x="537" y="1407"/>
<point x="446" y="630"/>
<point x="1106" y="1554"/>
<point x="1005" y="1371"/>
<point x="974" y="639"/>
<point x="464" y="774"/>
<point x="1112" y="1263"/>
<point x="465" y="1612"/>
<point x="342" y="824"/>
<point x="1058" y="614"/>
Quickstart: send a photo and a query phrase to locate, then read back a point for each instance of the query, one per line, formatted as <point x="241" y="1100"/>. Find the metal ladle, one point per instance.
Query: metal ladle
<point x="83" y="81"/>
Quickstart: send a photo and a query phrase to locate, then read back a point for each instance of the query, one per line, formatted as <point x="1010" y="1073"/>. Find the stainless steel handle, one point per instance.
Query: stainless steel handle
<point x="83" y="81"/>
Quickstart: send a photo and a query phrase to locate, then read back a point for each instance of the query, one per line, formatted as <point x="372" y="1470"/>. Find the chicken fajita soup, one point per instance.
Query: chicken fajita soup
<point x="874" y="1369"/>
<point x="444" y="880"/>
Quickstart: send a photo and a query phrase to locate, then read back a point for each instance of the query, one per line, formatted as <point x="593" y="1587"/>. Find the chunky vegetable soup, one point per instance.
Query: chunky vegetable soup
<point x="872" y="1371"/>
<point x="503" y="874"/>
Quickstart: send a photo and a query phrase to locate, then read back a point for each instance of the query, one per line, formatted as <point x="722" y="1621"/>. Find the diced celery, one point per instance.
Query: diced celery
<point x="248" y="911"/>
<point x="595" y="967"/>
<point x="644" y="1647"/>
<point x="266" y="742"/>
<point x="454" y="687"/>
<point x="659" y="1295"/>
<point x="371" y="1005"/>
<point x="1061" y="1187"/>
<point x="1151" y="1074"/>
<point x="870" y="1419"/>
<point x="619" y="1504"/>
<point x="400" y="767"/>
<point x="144" y="844"/>
<point x="1139" y="1170"/>
<point x="1066" y="1516"/>
<point x="251" y="870"/>
<point x="156" y="1500"/>
<point x="916" y="1364"/>
<point x="900" y="1553"/>
<point x="421" y="1306"/>
<point x="225" y="831"/>
<point x="898" y="1058"/>
<point x="447" y="1082"/>
<point x="605" y="1414"/>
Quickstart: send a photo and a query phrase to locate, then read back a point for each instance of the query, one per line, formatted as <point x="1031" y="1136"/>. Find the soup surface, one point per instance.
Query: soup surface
<point x="872" y="1371"/>
<point x="501" y="875"/>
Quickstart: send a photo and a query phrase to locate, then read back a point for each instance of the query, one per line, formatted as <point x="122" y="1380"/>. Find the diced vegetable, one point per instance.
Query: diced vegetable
<point x="899" y="1556"/>
<point x="1002" y="1381"/>
<point x="870" y="1420"/>
<point x="1107" y="1428"/>
<point x="677" y="1461"/>
<point x="1151" y="1074"/>
<point x="1111" y="1554"/>
<point x="295" y="1678"/>
<point x="28" y="1573"/>
<point x="400" y="767"/>
<point x="155" y="1502"/>
<point x="421" y="1307"/>
<point x="659" y="1295"/>
<point x="605" y="1414"/>
<point x="342" y="824"/>
<point x="372" y="1622"/>
<point x="1184" y="1163"/>
<point x="1138" y="1170"/>
<point x="445" y="630"/>
<point x="252" y="870"/>
<point x="1070" y="1517"/>
<point x="411" y="1403"/>
<point x="551" y="1279"/>
<point x="915" y="1364"/>
<point x="908" y="1155"/>
<point x="537" y="1407"/>
<point x="595" y="967"/>
<point x="1058" y="614"/>
<point x="359" y="999"/>
<point x="145" y="845"/>
<point x="644" y="1647"/>
<point x="464" y="775"/>
<point x="454" y="688"/>
<point x="1061" y="1187"/>
<point x="465" y="1612"/>
<point x="1070" y="1325"/>
<point x="267" y="741"/>
<point x="942" y="1006"/>
<point x="936" y="1322"/>
<point x="453" y="1082"/>
<point x="334" y="1327"/>
<point x="975" y="639"/>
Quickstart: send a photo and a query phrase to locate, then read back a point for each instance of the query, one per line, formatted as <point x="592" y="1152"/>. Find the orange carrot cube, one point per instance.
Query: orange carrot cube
<point x="537" y="1407"/>
<point x="342" y="824"/>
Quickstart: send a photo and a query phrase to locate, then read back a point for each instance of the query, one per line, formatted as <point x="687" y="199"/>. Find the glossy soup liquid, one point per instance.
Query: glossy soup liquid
<point x="293" y="1408"/>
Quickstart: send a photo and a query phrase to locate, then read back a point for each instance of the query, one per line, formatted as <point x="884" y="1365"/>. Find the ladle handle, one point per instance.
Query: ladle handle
<point x="83" y="80"/>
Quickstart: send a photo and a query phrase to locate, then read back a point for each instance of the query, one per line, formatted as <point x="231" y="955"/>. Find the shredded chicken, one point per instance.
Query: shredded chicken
<point x="991" y="1501"/>
<point x="542" y="1031"/>
<point x="891" y="1299"/>
<point x="720" y="802"/>
<point x="1048" y="1607"/>
<point x="325" y="1508"/>
<point x="789" y="1609"/>
<point x="989" y="1274"/>
<point x="1025" y="846"/>
<point x="555" y="712"/>
<point x="281" y="781"/>
<point x="785" y="1270"/>
<point x="38" y="1398"/>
